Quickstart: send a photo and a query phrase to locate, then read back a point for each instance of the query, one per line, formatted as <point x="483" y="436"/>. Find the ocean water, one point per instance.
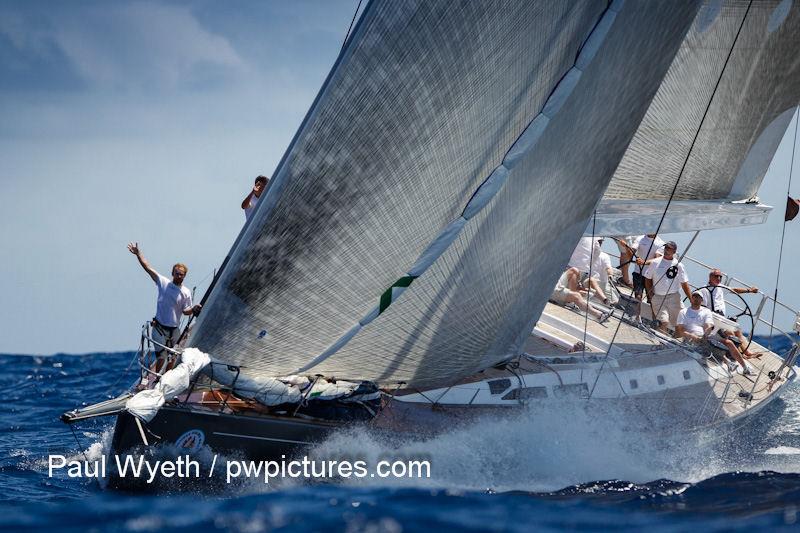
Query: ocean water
<point x="566" y="469"/>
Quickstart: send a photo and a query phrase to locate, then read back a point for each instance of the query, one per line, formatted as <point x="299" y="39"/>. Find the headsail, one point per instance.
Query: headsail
<point x="424" y="104"/>
<point x="759" y="88"/>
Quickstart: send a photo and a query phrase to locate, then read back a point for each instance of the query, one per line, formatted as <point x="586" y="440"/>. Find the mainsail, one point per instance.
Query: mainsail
<point x="741" y="57"/>
<point x="427" y="101"/>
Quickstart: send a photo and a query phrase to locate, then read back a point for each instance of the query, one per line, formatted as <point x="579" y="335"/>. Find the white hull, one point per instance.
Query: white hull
<point x="668" y="384"/>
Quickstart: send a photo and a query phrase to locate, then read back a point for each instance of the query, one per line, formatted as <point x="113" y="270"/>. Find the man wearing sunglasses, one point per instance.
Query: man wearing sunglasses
<point x="714" y="299"/>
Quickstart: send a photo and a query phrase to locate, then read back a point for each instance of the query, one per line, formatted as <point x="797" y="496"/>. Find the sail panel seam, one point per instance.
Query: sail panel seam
<point x="489" y="188"/>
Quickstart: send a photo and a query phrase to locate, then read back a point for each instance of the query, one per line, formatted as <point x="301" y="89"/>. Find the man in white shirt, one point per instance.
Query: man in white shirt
<point x="584" y="260"/>
<point x="251" y="200"/>
<point x="174" y="300"/>
<point x="582" y="255"/>
<point x="602" y="272"/>
<point x="714" y="299"/>
<point x="695" y="324"/>
<point x="563" y="295"/>
<point x="645" y="249"/>
<point x="664" y="277"/>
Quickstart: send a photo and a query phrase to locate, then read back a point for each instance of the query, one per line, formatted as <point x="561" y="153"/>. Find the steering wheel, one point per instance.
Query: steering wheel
<point x="746" y="311"/>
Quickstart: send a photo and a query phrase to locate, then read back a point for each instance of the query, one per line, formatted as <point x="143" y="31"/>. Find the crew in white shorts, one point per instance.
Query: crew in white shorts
<point x="584" y="259"/>
<point x="664" y="277"/>
<point x="602" y="272"/>
<point x="695" y="324"/>
<point x="563" y="295"/>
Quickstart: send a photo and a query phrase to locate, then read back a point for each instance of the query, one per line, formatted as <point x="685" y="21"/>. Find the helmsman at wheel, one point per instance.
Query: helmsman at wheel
<point x="174" y="300"/>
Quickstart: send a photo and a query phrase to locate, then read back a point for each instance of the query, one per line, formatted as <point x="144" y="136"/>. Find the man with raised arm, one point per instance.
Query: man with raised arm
<point x="174" y="300"/>
<point x="251" y="200"/>
<point x="714" y="299"/>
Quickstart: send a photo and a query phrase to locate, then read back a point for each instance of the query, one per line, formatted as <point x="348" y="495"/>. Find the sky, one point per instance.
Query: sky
<point x="147" y="121"/>
<point x="138" y="121"/>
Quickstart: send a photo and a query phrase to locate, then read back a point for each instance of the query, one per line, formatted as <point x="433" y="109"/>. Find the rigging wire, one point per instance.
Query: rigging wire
<point x="702" y="121"/>
<point x="589" y="292"/>
<point x="686" y="159"/>
<point x="783" y="234"/>
<point x="349" y="28"/>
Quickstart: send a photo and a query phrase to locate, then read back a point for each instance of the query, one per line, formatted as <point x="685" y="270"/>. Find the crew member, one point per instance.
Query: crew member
<point x="714" y="299"/>
<point x="695" y="324"/>
<point x="251" y="200"/>
<point x="664" y="276"/>
<point x="174" y="300"/>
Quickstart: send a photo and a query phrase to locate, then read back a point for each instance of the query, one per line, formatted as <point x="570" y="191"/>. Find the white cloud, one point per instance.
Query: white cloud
<point x="141" y="45"/>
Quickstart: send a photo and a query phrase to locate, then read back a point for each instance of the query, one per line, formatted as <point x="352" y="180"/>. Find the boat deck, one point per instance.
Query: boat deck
<point x="724" y="394"/>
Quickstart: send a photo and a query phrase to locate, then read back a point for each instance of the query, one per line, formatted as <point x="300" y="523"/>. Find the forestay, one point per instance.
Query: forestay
<point x="423" y="106"/>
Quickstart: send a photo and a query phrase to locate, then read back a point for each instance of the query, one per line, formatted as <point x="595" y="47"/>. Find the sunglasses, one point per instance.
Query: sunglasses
<point x="718" y="276"/>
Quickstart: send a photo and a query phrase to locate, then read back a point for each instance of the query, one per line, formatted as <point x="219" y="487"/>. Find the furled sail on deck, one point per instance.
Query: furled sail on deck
<point x="752" y="49"/>
<point x="425" y="104"/>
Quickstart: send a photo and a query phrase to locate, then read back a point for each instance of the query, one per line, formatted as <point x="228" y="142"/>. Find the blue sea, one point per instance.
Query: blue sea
<point x="566" y="471"/>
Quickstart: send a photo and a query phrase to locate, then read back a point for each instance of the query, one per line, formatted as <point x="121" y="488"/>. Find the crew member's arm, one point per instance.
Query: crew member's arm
<point x="188" y="308"/>
<point x="257" y="188"/>
<point x="133" y="247"/>
<point x="622" y="245"/>
<point x="680" y="332"/>
<point x="246" y="201"/>
<point x="687" y="289"/>
<point x="743" y="290"/>
<point x="194" y="310"/>
<point x="707" y="328"/>
<point x="642" y="262"/>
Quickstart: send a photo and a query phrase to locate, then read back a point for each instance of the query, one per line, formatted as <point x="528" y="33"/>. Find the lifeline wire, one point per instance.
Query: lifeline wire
<point x="589" y="293"/>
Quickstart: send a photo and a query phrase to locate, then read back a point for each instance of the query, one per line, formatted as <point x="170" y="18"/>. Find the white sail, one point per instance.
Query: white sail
<point x="428" y="102"/>
<point x="750" y="48"/>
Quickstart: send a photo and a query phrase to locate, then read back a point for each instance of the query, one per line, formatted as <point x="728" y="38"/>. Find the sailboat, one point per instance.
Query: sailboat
<point x="398" y="270"/>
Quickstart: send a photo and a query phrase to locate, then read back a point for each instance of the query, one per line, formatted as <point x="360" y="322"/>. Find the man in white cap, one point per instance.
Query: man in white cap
<point x="695" y="324"/>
